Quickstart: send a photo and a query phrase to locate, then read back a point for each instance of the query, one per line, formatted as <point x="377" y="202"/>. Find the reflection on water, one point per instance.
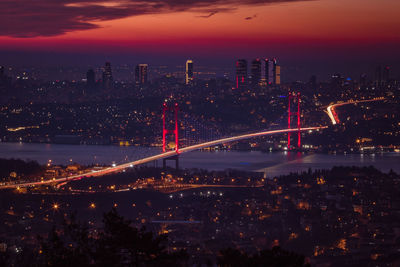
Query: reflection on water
<point x="83" y="154"/>
<point x="273" y="163"/>
<point x="278" y="163"/>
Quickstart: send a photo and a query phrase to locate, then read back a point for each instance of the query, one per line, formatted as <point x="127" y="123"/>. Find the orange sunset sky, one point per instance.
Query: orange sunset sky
<point x="292" y="29"/>
<point x="257" y="22"/>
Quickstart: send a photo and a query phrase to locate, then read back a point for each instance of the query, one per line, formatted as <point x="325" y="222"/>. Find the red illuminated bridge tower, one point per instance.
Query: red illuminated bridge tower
<point x="167" y="107"/>
<point x="296" y="98"/>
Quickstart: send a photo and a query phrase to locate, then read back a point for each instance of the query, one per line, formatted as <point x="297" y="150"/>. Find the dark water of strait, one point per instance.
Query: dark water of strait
<point x="272" y="163"/>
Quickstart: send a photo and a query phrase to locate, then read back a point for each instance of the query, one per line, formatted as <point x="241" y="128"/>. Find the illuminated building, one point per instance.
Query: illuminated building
<point x="141" y="73"/>
<point x="189" y="71"/>
<point x="241" y="73"/>
<point x="278" y="75"/>
<point x="107" y="76"/>
<point x="271" y="74"/>
<point x="256" y="72"/>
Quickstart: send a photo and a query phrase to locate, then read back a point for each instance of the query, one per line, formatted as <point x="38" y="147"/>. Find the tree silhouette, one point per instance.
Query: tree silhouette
<point x="116" y="244"/>
<point x="276" y="257"/>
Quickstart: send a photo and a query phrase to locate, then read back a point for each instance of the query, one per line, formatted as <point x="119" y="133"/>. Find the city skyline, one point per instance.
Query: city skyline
<point x="304" y="34"/>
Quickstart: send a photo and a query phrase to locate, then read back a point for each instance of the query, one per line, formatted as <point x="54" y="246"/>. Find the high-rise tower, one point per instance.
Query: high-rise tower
<point x="90" y="78"/>
<point x="256" y="72"/>
<point x="270" y="71"/>
<point x="189" y="71"/>
<point x="241" y="73"/>
<point x="141" y="73"/>
<point x="107" y="76"/>
<point x="386" y="74"/>
<point x="278" y="75"/>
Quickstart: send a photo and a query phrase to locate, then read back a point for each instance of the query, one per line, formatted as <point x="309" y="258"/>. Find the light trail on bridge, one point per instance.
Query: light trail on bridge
<point x="121" y="167"/>
<point x="330" y="110"/>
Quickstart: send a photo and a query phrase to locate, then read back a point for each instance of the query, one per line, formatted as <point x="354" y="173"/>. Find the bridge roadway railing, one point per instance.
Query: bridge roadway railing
<point x="168" y="154"/>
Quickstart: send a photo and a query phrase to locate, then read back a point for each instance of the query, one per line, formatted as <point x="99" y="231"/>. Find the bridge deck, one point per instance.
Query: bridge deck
<point x="121" y="167"/>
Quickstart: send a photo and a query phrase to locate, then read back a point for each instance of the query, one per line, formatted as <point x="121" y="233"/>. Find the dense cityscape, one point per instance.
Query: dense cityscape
<point x="199" y="133"/>
<point x="104" y="111"/>
<point x="346" y="215"/>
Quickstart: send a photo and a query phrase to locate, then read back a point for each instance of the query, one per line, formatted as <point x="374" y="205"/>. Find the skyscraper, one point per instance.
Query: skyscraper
<point x="189" y="71"/>
<point x="386" y="74"/>
<point x="270" y="71"/>
<point x="313" y="83"/>
<point x="378" y="76"/>
<point x="363" y="80"/>
<point x="90" y="79"/>
<point x="141" y="73"/>
<point x="2" y="75"/>
<point x="107" y="76"/>
<point x="278" y="75"/>
<point x="241" y="73"/>
<point x="4" y="79"/>
<point x="256" y="72"/>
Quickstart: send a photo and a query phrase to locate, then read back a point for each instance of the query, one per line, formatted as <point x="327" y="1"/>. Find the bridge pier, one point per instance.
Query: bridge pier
<point x="166" y="131"/>
<point x="173" y="158"/>
<point x="297" y="114"/>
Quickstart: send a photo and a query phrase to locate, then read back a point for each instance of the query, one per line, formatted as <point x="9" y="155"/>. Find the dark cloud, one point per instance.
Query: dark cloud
<point x="31" y="18"/>
<point x="252" y="17"/>
<point x="209" y="15"/>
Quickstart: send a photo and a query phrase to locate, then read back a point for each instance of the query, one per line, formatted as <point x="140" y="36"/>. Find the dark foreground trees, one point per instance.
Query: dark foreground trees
<point x="20" y="167"/>
<point x="276" y="257"/>
<point x="118" y="243"/>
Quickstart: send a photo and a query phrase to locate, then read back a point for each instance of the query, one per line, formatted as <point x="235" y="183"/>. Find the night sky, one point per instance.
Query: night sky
<point x="318" y="36"/>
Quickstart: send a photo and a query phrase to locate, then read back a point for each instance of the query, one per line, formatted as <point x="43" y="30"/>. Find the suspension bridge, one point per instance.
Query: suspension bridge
<point x="166" y="154"/>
